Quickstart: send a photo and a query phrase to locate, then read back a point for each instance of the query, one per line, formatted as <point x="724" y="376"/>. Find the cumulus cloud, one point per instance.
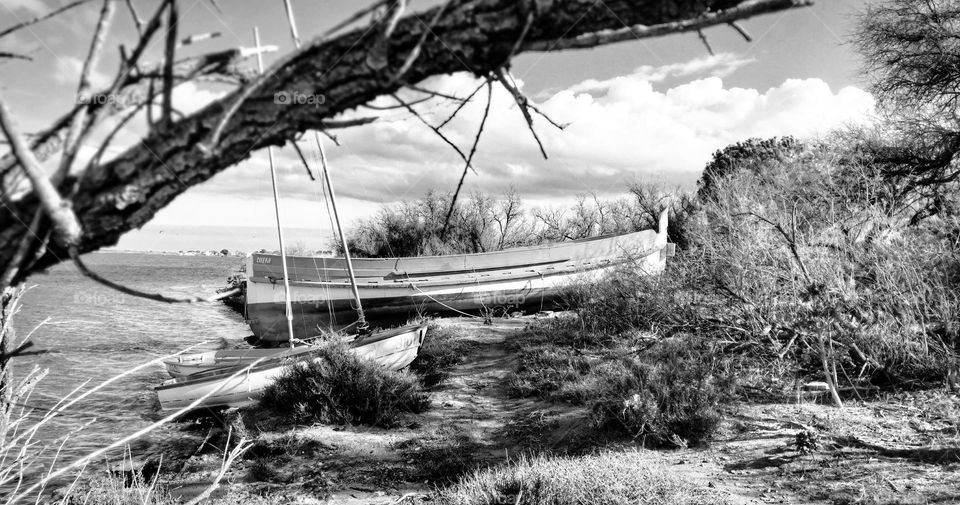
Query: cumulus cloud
<point x="620" y="129"/>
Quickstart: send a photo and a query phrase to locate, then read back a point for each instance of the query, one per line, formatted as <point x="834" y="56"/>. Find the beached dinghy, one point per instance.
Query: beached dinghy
<point x="187" y="364"/>
<point x="233" y="386"/>
<point x="395" y="289"/>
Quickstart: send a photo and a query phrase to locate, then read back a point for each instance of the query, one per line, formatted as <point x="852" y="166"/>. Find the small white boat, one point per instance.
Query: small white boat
<point x="241" y="384"/>
<point x="187" y="364"/>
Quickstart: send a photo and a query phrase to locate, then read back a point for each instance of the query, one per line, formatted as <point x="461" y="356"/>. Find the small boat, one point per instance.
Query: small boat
<point x="188" y="364"/>
<point x="324" y="290"/>
<point x="236" y="378"/>
<point x="241" y="384"/>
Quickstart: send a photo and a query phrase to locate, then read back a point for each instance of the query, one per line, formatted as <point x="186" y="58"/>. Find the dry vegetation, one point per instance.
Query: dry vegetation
<point x="341" y="387"/>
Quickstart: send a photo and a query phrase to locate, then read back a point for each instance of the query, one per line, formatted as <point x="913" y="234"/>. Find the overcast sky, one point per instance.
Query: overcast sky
<point x="651" y="110"/>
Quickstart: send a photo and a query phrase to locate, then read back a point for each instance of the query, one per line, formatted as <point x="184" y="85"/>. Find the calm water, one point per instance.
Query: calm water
<point x="95" y="333"/>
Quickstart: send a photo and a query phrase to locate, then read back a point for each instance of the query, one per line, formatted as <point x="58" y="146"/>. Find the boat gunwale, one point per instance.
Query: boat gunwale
<point x="538" y="247"/>
<point x="383" y="283"/>
<point x="274" y="362"/>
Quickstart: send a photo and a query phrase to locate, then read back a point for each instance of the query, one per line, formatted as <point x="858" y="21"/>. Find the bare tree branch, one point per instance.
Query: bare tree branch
<point x="434" y="128"/>
<point x="743" y="10"/>
<point x="78" y="127"/>
<point x="173" y="20"/>
<point x="466" y="167"/>
<point x="137" y="22"/>
<point x="522" y="102"/>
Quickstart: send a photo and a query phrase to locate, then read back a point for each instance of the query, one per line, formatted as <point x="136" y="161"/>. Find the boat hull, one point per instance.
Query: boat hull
<point x="241" y="385"/>
<point x="393" y="290"/>
<point x="187" y="364"/>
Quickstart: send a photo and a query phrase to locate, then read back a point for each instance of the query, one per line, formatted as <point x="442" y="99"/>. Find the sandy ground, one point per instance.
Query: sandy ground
<point x="903" y="449"/>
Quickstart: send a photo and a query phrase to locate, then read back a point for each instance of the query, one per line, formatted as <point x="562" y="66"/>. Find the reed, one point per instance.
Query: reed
<point x="30" y="459"/>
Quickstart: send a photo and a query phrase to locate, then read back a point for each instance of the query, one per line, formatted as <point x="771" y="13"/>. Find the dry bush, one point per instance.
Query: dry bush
<point x="635" y="385"/>
<point x="340" y="387"/>
<point x="796" y="245"/>
<point x="608" y="478"/>
<point x="416" y="228"/>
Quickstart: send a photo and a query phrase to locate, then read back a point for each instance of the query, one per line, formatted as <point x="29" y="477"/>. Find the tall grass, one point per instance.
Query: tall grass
<point x="606" y="478"/>
<point x="30" y="460"/>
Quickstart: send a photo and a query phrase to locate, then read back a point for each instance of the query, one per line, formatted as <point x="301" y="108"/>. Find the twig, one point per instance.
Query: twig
<point x="706" y="43"/>
<point x="38" y="19"/>
<point x="357" y="15"/>
<point x="228" y="460"/>
<point x="462" y="104"/>
<point x="77" y="127"/>
<point x="415" y="53"/>
<point x="303" y="160"/>
<point x="436" y="93"/>
<point x="434" y="128"/>
<point x="522" y="104"/>
<point x="171" y="48"/>
<point x="15" y="56"/>
<point x="391" y="107"/>
<point x="473" y="150"/>
<point x="137" y="22"/>
<point x="741" y="30"/>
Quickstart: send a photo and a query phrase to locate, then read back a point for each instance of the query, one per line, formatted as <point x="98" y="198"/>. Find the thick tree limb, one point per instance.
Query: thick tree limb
<point x="126" y="193"/>
<point x="731" y="14"/>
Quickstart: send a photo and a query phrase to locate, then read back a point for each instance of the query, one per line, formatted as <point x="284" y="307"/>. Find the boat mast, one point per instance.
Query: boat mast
<point x="276" y="207"/>
<point x="361" y="320"/>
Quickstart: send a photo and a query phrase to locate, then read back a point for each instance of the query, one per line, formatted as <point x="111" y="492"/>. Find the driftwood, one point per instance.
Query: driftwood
<point x="478" y="36"/>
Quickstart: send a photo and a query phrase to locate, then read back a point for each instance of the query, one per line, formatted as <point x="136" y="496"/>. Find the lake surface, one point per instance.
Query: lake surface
<point x="94" y="333"/>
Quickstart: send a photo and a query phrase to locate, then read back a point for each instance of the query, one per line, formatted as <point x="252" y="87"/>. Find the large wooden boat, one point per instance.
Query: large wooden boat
<point x="395" y="289"/>
<point x="235" y="385"/>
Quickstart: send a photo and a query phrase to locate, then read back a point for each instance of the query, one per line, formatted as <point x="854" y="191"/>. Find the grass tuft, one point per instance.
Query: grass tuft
<point x="341" y="387"/>
<point x="601" y="479"/>
<point x="443" y="349"/>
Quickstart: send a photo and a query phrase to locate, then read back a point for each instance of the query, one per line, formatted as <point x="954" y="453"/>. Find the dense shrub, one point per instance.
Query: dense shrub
<point x="341" y="387"/>
<point x="608" y="478"/>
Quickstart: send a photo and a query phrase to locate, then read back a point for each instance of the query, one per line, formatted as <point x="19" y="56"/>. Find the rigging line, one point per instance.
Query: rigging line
<point x="326" y="200"/>
<point x="424" y="293"/>
<point x="276" y="204"/>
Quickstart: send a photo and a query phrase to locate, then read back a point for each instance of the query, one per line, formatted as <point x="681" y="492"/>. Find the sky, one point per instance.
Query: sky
<point x="639" y="111"/>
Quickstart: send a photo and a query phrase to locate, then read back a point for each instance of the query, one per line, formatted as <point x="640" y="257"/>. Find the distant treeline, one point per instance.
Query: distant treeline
<point x="481" y="222"/>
